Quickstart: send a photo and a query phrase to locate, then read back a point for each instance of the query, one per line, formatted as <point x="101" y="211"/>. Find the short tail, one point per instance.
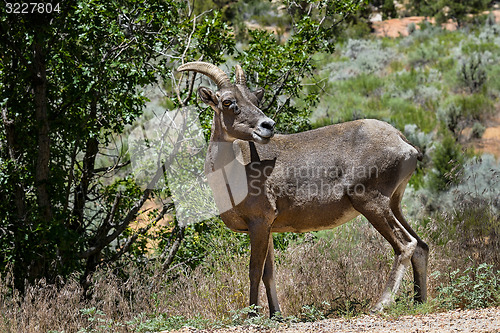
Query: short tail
<point x="420" y="155"/>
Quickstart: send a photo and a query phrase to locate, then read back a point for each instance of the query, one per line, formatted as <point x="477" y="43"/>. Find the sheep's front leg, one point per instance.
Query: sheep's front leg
<point x="259" y="244"/>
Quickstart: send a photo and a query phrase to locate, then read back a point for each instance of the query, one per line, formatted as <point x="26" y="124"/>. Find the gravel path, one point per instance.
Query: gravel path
<point x="484" y="320"/>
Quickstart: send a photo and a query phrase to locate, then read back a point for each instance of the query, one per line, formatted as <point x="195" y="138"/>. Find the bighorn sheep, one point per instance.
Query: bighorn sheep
<point x="308" y="181"/>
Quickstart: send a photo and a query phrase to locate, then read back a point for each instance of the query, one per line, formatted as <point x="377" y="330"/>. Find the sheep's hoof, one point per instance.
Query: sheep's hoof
<point x="381" y="306"/>
<point x="378" y="308"/>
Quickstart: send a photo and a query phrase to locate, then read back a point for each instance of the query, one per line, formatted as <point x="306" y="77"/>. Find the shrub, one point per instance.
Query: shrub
<point x="465" y="222"/>
<point x="365" y="57"/>
<point x="450" y="114"/>
<point x="471" y="73"/>
<point x="355" y="47"/>
<point x="447" y="163"/>
<point x="491" y="20"/>
<point x="403" y="111"/>
<point x="425" y="54"/>
<point x="427" y="95"/>
<point x="411" y="28"/>
<point x="459" y="110"/>
<point x="418" y="138"/>
<point x="406" y="80"/>
<point x="427" y="26"/>
<point x="478" y="130"/>
<point x="420" y="36"/>
<point x="388" y="10"/>
<point x="480" y="184"/>
<point x="310" y="313"/>
<point x="472" y="288"/>
<point x="491" y="30"/>
<point x="457" y="11"/>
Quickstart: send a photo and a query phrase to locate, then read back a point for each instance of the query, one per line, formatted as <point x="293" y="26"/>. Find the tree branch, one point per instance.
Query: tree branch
<point x="126" y="247"/>
<point x="133" y="212"/>
<point x="19" y="193"/>
<point x="43" y="140"/>
<point x="82" y="189"/>
<point x="178" y="234"/>
<point x="190" y="90"/>
<point x="111" y="168"/>
<point x="277" y="92"/>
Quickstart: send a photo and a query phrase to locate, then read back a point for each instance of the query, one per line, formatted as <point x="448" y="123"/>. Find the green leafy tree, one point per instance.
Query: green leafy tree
<point x="457" y="10"/>
<point x="71" y="81"/>
<point x="446" y="10"/>
<point x="389" y="10"/>
<point x="280" y="68"/>
<point x="420" y="7"/>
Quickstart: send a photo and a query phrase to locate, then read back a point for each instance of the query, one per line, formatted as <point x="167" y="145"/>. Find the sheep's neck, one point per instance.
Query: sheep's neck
<point x="220" y="148"/>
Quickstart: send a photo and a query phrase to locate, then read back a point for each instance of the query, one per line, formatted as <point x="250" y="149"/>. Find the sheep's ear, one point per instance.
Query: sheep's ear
<point x="208" y="96"/>
<point x="259" y="93"/>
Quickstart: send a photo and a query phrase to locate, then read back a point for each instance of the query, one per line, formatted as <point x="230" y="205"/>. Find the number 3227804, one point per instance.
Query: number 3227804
<point x="32" y="8"/>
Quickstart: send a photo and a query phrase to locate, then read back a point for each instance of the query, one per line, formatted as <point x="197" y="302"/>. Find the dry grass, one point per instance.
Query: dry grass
<point x="338" y="272"/>
<point x="329" y="269"/>
<point x="332" y="268"/>
<point x="41" y="309"/>
<point x="345" y="268"/>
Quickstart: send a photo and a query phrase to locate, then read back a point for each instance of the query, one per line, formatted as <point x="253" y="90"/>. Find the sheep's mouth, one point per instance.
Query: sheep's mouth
<point x="261" y="138"/>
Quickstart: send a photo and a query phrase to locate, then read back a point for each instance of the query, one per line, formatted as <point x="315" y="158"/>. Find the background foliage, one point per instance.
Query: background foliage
<point x="74" y="84"/>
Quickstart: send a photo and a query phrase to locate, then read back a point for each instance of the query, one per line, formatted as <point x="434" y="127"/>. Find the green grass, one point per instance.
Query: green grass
<point x="421" y="77"/>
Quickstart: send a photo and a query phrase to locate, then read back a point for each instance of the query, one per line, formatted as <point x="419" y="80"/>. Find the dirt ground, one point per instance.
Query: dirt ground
<point x="399" y="27"/>
<point x="490" y="141"/>
<point x="483" y="320"/>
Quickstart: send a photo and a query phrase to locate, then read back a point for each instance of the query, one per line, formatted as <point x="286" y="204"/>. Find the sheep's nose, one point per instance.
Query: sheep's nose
<point x="266" y="128"/>
<point x="268" y="124"/>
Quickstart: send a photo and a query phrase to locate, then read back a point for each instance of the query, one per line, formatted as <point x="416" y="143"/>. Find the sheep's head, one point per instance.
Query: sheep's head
<point x="235" y="105"/>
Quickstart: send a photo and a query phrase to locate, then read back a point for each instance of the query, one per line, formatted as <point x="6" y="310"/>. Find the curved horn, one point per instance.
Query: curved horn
<point x="240" y="75"/>
<point x="213" y="72"/>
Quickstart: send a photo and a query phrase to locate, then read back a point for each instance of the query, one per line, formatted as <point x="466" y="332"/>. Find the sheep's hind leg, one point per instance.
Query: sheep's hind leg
<point x="376" y="208"/>
<point x="420" y="257"/>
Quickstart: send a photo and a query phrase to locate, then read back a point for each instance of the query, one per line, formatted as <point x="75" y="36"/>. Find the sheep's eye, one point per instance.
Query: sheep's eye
<point x="227" y="103"/>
